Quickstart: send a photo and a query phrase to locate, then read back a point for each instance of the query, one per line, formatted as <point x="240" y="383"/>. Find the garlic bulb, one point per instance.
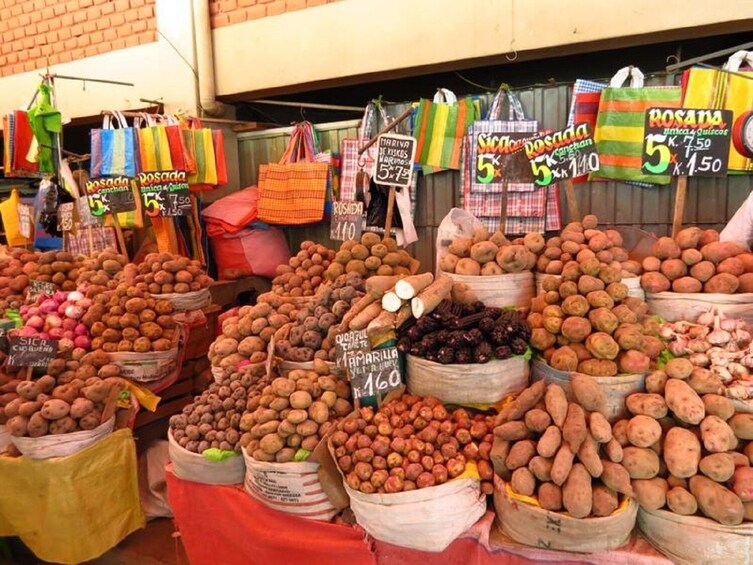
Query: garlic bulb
<point x="718" y="336"/>
<point x="699" y="359"/>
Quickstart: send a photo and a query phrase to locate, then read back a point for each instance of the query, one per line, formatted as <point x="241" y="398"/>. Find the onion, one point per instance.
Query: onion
<point x="35" y="322"/>
<point x="56" y="333"/>
<point x="81" y="329"/>
<point x="60" y="296"/>
<point x="75" y="296"/>
<point x="62" y="306"/>
<point x="33" y="311"/>
<point x="48" y="306"/>
<point x="43" y="335"/>
<point x="24" y="310"/>
<point x="65" y="345"/>
<point x="28" y="331"/>
<point x="53" y="321"/>
<point x="74" y="312"/>
<point x="69" y="323"/>
<point x="82" y="341"/>
<point x="68" y="334"/>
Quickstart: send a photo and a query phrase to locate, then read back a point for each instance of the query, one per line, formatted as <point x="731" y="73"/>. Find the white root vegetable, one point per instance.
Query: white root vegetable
<point x="362" y="320"/>
<point x="383" y="322"/>
<point x="430" y="297"/>
<point x="378" y="285"/>
<point x="403" y="315"/>
<point x="391" y="302"/>
<point x="361" y="304"/>
<point x="409" y="287"/>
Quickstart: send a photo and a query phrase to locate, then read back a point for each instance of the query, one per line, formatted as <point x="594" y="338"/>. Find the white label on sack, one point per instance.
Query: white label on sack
<point x="283" y="487"/>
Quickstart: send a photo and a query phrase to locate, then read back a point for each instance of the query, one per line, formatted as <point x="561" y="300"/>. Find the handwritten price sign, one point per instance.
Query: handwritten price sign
<point x="165" y="193"/>
<point x="110" y="195"/>
<point x="347" y="221"/>
<point x="686" y="142"/>
<point x="561" y="155"/>
<point x="394" y="162"/>
<point x="374" y="372"/>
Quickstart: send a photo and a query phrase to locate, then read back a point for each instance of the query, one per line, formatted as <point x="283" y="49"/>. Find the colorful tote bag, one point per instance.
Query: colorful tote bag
<point x="728" y="89"/>
<point x="620" y="125"/>
<point x="350" y="161"/>
<point x="293" y="191"/>
<point x="439" y="127"/>
<point x="112" y="149"/>
<point x="590" y="90"/>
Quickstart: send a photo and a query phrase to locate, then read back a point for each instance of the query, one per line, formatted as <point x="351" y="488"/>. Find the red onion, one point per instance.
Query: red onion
<point x="69" y="323"/>
<point x="43" y="335"/>
<point x="48" y="306"/>
<point x="82" y="341"/>
<point x="24" y="310"/>
<point x="62" y="306"/>
<point x="60" y="296"/>
<point x="53" y="321"/>
<point x="33" y="311"/>
<point x="81" y="329"/>
<point x="28" y="331"/>
<point x="35" y="322"/>
<point x="56" y="333"/>
<point x="68" y="334"/>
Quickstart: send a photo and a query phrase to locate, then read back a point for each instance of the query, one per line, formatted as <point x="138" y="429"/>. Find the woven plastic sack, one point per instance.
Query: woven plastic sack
<point x="191" y="466"/>
<point x="61" y="445"/>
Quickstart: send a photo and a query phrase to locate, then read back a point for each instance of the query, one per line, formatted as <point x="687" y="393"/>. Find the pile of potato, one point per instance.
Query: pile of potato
<point x="411" y="443"/>
<point x="69" y="398"/>
<point x="16" y="265"/>
<point x="561" y="452"/>
<point x="696" y="261"/>
<point x="371" y="256"/>
<point x="58" y="267"/>
<point x="98" y="273"/>
<point x="294" y="412"/>
<point x="582" y="240"/>
<point x="304" y="272"/>
<point x="685" y="447"/>
<point x="486" y="255"/>
<point x="130" y="319"/>
<point x="165" y="273"/>
<point x="585" y="321"/>
<point x="213" y="419"/>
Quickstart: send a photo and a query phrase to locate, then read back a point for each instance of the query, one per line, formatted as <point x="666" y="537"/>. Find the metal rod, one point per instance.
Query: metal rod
<point x="392" y="125"/>
<point x="208" y="120"/>
<point x="83" y="79"/>
<point x="702" y="58"/>
<point x="311" y="105"/>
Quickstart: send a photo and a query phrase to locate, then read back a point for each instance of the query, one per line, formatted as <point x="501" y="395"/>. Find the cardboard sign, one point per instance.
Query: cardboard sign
<point x="374" y="372"/>
<point x="110" y="195"/>
<point x="31" y="351"/>
<point x="346" y="222"/>
<point x="24" y="220"/>
<point x="394" y="161"/>
<point x="65" y="216"/>
<point x="500" y="158"/>
<point x="686" y="142"/>
<point x="39" y="287"/>
<point x="561" y="155"/>
<point x="348" y="343"/>
<point x="165" y="193"/>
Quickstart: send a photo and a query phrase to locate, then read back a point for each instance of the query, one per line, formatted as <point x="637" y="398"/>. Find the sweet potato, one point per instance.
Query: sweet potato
<point x="616" y="477"/>
<point x="680" y="501"/>
<point x="716" y="502"/>
<point x="588" y="454"/>
<point x="523" y="482"/>
<point x="655" y="282"/>
<point x="526" y="400"/>
<point x="574" y="430"/>
<point x="498" y="455"/>
<point x="605" y="501"/>
<point x="549" y="442"/>
<point x="562" y="464"/>
<point x="717" y="435"/>
<point x="537" y="420"/>
<point x="588" y="392"/>
<point x="613" y="451"/>
<point x="721" y="283"/>
<point x="512" y="431"/>
<point x="682" y="452"/>
<point x="718" y="467"/>
<point x="555" y="401"/>
<point x="742" y="425"/>
<point x="651" y="493"/>
<point x="541" y="467"/>
<point x="550" y="497"/>
<point x="520" y="454"/>
<point x="577" y="497"/>
<point x="640" y="462"/>
<point x="643" y="431"/>
<point x="684" y="402"/>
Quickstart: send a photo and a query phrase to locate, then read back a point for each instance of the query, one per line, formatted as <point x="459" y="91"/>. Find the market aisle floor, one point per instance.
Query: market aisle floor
<point x="154" y="545"/>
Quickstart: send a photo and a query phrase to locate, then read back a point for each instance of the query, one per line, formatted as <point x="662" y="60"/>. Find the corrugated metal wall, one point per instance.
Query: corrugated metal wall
<point x="710" y="201"/>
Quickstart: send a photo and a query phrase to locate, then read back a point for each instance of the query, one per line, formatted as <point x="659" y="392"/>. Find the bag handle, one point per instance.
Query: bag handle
<point x="635" y="74"/>
<point x="290" y="153"/>
<point x="736" y="60"/>
<point x="445" y="96"/>
<point x="516" y="108"/>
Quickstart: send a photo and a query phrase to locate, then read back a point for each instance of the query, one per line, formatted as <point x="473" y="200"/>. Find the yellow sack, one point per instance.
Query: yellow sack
<point x="73" y="509"/>
<point x="9" y="214"/>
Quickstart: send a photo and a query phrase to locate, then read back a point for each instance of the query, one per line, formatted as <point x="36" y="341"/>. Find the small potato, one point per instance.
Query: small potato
<point x="682" y="452"/>
<point x="684" y="402"/>
<point x="678" y="368"/>
<point x="742" y="425"/>
<point x="717" y="435"/>
<point x="651" y="493"/>
<point x="640" y="463"/>
<point x="717" y="502"/>
<point x="680" y="501"/>
<point x="550" y="497"/>
<point x="648" y="404"/>
<point x="605" y="501"/>
<point x="718" y="405"/>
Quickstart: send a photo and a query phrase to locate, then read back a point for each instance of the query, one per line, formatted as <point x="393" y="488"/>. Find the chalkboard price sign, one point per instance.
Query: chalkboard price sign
<point x="40" y="287"/>
<point x="350" y="343"/>
<point x="110" y="195"/>
<point x="499" y="157"/>
<point x="346" y="221"/>
<point x="394" y="161"/>
<point x="65" y="217"/>
<point x="374" y="373"/>
<point x="165" y="193"/>
<point x="31" y="351"/>
<point x="686" y="142"/>
<point x="561" y="155"/>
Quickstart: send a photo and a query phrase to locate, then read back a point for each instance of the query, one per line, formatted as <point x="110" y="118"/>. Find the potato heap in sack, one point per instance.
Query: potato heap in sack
<point x="58" y="267"/>
<point x="485" y="254"/>
<point x="563" y="453"/>
<point x="696" y="261"/>
<point x="371" y="256"/>
<point x="686" y="449"/>
<point x="16" y="266"/>
<point x="165" y="273"/>
<point x="98" y="273"/>
<point x="304" y="272"/>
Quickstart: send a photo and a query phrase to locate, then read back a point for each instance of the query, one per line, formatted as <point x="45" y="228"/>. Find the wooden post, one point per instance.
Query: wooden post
<point x="572" y="201"/>
<point x="503" y="209"/>
<point x="390" y="212"/>
<point x="680" y="196"/>
<point x="119" y="233"/>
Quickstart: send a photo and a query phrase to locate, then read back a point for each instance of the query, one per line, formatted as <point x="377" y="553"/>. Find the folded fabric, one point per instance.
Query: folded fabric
<point x="232" y="213"/>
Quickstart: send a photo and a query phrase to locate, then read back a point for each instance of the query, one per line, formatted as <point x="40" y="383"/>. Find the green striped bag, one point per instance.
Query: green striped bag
<point x="439" y="127"/>
<point x="620" y="124"/>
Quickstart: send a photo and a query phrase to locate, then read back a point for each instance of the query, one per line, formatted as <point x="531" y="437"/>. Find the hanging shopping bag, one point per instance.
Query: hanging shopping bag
<point x="620" y="126"/>
<point x="350" y="161"/>
<point x="112" y="148"/>
<point x="153" y="145"/>
<point x="439" y="127"/>
<point x="293" y="191"/>
<point x="590" y="90"/>
<point x="219" y="157"/>
<point x="181" y="158"/>
<point x="713" y="88"/>
<point x="505" y="165"/>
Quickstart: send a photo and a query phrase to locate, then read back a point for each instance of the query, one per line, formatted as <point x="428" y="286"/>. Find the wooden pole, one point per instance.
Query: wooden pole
<point x="503" y="209"/>
<point x="680" y="196"/>
<point x="119" y="233"/>
<point x="390" y="212"/>
<point x="572" y="201"/>
<point x="389" y="127"/>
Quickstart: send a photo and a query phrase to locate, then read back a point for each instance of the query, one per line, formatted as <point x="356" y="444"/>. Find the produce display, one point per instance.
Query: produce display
<point x="98" y="273"/>
<point x="74" y="395"/>
<point x="58" y="267"/>
<point x="16" y="266"/>
<point x="485" y="254"/>
<point x="213" y="419"/>
<point x="685" y="447"/>
<point x="128" y="319"/>
<point x="585" y="321"/>
<point x="563" y="453"/>
<point x="371" y="256"/>
<point x="696" y="261"/>
<point x="454" y="333"/>
<point x="286" y="421"/>
<point x="60" y="317"/>
<point x="165" y="273"/>
<point x="411" y="443"/>
<point x="304" y="272"/>
<point x="720" y="350"/>
<point x="583" y="240"/>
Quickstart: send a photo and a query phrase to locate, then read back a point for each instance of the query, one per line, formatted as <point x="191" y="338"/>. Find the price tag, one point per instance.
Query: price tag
<point x="561" y="155"/>
<point x="394" y="161"/>
<point x="24" y="220"/>
<point x="39" y="287"/>
<point x="346" y="222"/>
<point x="500" y="158"/>
<point x="374" y="372"/>
<point x="65" y="216"/>
<point x="165" y="193"/>
<point x="110" y="195"/>
<point x="31" y="351"/>
<point x="349" y="343"/>
<point x="686" y="142"/>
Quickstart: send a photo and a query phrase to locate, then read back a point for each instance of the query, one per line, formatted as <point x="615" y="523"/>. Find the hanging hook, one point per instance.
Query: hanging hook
<point x="303" y="114"/>
<point x="673" y="59"/>
<point x="514" y="57"/>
